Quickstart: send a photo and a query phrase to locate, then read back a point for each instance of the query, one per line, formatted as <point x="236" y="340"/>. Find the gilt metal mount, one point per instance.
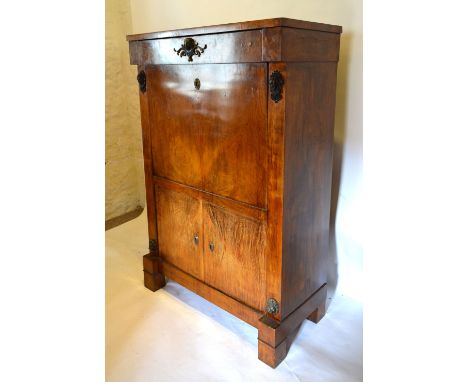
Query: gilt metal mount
<point x="190" y="48"/>
<point x="141" y="78"/>
<point x="272" y="306"/>
<point x="276" y="86"/>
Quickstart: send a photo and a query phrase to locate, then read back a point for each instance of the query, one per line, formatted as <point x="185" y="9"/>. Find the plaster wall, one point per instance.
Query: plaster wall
<point x="124" y="158"/>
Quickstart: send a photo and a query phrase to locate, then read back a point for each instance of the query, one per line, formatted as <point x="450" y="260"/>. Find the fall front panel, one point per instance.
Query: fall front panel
<point x="209" y="127"/>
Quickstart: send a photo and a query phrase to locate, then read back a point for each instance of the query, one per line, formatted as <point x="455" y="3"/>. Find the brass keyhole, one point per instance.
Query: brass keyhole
<point x="197" y="83"/>
<point x="212" y="246"/>
<point x="195" y="239"/>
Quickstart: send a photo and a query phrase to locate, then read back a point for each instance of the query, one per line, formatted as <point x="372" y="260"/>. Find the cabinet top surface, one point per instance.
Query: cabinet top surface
<point x="240" y="26"/>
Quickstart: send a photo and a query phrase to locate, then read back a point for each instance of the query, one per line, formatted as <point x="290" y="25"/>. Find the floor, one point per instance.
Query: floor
<point x="175" y="335"/>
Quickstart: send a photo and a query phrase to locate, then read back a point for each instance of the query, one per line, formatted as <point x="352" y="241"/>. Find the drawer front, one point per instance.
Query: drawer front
<point x="180" y="232"/>
<point x="234" y="255"/>
<point x="227" y="47"/>
<point x="209" y="127"/>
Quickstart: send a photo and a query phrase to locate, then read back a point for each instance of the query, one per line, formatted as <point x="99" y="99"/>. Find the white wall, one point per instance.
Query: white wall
<point x="155" y="15"/>
<point x="125" y="190"/>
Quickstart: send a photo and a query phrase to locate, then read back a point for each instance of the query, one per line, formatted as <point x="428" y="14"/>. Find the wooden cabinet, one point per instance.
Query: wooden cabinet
<point x="237" y="124"/>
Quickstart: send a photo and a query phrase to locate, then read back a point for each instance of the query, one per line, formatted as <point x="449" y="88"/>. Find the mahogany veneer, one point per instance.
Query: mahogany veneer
<point x="237" y="124"/>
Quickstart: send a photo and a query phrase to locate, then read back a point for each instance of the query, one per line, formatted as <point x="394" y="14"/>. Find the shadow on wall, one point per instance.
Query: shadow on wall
<point x="339" y="139"/>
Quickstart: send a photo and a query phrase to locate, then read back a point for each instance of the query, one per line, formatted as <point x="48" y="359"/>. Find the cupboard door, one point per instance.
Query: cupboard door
<point x="209" y="127"/>
<point x="180" y="230"/>
<point x="234" y="256"/>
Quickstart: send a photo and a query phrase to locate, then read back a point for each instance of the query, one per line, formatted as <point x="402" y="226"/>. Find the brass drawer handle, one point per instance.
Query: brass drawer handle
<point x="212" y="246"/>
<point x="196" y="239"/>
<point x="190" y="48"/>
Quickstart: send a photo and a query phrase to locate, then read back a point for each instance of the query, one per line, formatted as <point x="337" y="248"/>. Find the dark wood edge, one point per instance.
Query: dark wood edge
<point x="118" y="220"/>
<point x="225" y="302"/>
<point x="152" y="263"/>
<point x="148" y="165"/>
<point x="153" y="277"/>
<point x="150" y="64"/>
<point x="235" y="27"/>
<point x="273" y="356"/>
<point x="274" y="333"/>
<point x="274" y="252"/>
<point x="242" y="208"/>
<point x="272" y="49"/>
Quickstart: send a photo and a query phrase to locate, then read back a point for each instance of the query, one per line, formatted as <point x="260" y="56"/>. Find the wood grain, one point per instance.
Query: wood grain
<point x="179" y="221"/>
<point x="273" y="332"/>
<point x="234" y="131"/>
<point x="236" y="263"/>
<point x="222" y="48"/>
<point x="148" y="165"/>
<point x="318" y="313"/>
<point x="229" y="304"/>
<point x="175" y="134"/>
<point x="280" y="43"/>
<point x="191" y="127"/>
<point x="274" y="258"/>
<point x="307" y="45"/>
<point x="275" y="338"/>
<point x="296" y="45"/>
<point x="154" y="278"/>
<point x="239" y="208"/>
<point x="308" y="146"/>
<point x="273" y="356"/>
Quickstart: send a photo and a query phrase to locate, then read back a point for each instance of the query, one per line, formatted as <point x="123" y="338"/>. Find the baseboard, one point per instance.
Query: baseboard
<point x="213" y="295"/>
<point x="118" y="220"/>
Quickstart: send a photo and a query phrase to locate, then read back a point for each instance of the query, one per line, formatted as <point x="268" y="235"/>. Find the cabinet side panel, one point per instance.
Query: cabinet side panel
<point x="310" y="108"/>
<point x="305" y="45"/>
